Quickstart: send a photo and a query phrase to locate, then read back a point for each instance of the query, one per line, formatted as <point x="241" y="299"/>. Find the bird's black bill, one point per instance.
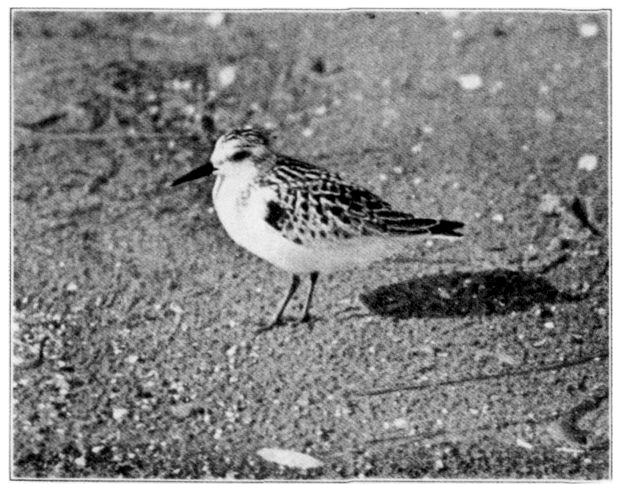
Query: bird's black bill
<point x="200" y="172"/>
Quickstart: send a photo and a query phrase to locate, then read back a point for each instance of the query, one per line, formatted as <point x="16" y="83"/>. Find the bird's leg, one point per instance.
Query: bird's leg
<point x="306" y="314"/>
<point x="293" y="288"/>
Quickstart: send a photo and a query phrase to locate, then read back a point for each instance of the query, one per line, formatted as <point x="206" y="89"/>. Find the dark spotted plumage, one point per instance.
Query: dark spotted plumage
<point x="311" y="198"/>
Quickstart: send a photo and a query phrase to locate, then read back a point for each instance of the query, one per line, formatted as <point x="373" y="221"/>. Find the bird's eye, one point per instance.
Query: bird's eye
<point x="240" y="155"/>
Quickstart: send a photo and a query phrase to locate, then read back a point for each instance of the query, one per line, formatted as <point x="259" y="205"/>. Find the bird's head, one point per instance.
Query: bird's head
<point x="234" y="152"/>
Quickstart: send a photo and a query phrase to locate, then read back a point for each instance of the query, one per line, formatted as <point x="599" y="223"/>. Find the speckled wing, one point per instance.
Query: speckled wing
<point x="313" y="205"/>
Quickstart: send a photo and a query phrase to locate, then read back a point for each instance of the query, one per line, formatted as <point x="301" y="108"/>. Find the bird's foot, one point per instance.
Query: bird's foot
<point x="277" y="321"/>
<point x="282" y="322"/>
<point x="266" y="327"/>
<point x="310" y="320"/>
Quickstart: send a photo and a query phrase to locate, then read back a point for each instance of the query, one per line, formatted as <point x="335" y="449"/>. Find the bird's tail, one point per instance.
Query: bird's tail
<point x="447" y="228"/>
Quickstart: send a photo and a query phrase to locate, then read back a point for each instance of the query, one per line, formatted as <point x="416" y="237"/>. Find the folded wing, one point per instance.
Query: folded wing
<point x="313" y="203"/>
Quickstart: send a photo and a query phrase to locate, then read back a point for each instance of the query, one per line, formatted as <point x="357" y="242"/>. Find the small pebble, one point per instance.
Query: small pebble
<point x="320" y="111"/>
<point x="215" y="19"/>
<point x="416" y="149"/>
<point x="588" y="162"/>
<point x="443" y="293"/>
<point x="119" y="413"/>
<point x="543" y="89"/>
<point x="179" y="85"/>
<point x="383" y="177"/>
<point x="182" y="411"/>
<point x="307" y="132"/>
<point x="496" y="87"/>
<point x="549" y="325"/>
<point x="588" y="29"/>
<point x="400" y="423"/>
<point x="550" y="204"/>
<point x="470" y="82"/>
<point x="398" y="170"/>
<point x="544" y="116"/>
<point x="80" y="462"/>
<point x="426" y="349"/>
<point x="524" y="443"/>
<point x="189" y="110"/>
<point x="504" y="358"/>
<point x="131" y="359"/>
<point x="227" y="76"/>
<point x="499" y="218"/>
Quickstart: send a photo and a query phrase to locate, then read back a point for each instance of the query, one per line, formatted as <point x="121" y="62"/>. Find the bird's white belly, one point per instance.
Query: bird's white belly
<point x="243" y="213"/>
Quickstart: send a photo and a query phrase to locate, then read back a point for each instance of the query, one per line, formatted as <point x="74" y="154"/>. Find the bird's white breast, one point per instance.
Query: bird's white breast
<point x="242" y="207"/>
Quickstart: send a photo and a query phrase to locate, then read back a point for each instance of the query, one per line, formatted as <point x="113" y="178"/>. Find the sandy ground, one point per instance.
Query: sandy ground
<point x="133" y="326"/>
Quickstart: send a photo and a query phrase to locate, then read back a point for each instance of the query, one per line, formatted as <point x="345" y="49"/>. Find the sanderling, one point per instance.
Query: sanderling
<point x="303" y="218"/>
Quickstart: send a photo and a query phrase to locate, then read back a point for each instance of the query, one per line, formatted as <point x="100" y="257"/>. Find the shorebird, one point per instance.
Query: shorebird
<point x="303" y="218"/>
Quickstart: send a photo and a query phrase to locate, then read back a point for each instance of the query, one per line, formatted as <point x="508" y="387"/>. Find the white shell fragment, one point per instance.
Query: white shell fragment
<point x="588" y="162"/>
<point x="450" y="14"/>
<point x="470" y="82"/>
<point x="292" y="459"/>
<point x="588" y="29"/>
<point x="215" y="19"/>
<point x="227" y="76"/>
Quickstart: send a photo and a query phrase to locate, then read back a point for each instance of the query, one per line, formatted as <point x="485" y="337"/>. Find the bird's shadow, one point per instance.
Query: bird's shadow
<point x="460" y="294"/>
